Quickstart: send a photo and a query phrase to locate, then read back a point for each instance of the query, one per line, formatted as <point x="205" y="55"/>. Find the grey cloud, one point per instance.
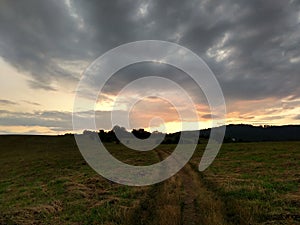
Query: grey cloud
<point x="206" y="116"/>
<point x="54" y="120"/>
<point x="273" y="118"/>
<point x="261" y="38"/>
<point x="41" y="85"/>
<point x="260" y="64"/>
<point x="31" y="103"/>
<point x="297" y="117"/>
<point x="62" y="121"/>
<point x="43" y="119"/>
<point x="35" y="34"/>
<point x="128" y="74"/>
<point x="7" y="102"/>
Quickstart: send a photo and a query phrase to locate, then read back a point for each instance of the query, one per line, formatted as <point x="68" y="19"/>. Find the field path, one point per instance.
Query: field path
<point x="197" y="204"/>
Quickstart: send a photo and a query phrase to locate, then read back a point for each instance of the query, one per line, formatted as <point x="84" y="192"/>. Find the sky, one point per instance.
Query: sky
<point x="252" y="47"/>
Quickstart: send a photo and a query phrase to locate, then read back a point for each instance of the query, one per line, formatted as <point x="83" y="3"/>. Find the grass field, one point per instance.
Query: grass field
<point x="44" y="180"/>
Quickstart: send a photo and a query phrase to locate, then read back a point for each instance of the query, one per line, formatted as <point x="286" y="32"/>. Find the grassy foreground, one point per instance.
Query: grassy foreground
<point x="44" y="180"/>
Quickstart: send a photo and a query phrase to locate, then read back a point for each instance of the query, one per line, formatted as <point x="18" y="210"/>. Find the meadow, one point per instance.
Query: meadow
<point x="45" y="180"/>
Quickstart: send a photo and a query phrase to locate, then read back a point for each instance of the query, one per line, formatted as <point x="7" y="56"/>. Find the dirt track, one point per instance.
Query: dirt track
<point x="182" y="199"/>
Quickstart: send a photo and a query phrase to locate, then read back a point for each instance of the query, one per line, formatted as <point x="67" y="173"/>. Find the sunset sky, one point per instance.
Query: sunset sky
<point x="252" y="47"/>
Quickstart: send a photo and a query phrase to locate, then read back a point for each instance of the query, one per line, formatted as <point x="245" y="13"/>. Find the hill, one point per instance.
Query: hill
<point x="242" y="132"/>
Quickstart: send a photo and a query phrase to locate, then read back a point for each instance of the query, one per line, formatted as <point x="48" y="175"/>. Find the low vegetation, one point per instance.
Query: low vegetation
<point x="45" y="180"/>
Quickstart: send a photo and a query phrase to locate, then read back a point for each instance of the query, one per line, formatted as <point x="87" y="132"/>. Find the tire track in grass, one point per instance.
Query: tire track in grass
<point x="160" y="205"/>
<point x="183" y="199"/>
<point x="199" y="204"/>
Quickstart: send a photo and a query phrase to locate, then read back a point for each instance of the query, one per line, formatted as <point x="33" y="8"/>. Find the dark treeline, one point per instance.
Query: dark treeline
<point x="111" y="137"/>
<point x="250" y="133"/>
<point x="234" y="133"/>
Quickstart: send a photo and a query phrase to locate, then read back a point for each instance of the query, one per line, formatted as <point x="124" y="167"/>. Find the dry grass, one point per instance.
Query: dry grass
<point x="254" y="181"/>
<point x="44" y="180"/>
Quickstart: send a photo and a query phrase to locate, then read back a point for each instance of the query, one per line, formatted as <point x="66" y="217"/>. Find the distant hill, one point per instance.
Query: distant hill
<point x="243" y="132"/>
<point x="234" y="133"/>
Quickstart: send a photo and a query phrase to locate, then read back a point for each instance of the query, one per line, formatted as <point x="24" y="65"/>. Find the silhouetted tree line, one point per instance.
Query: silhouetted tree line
<point x="111" y="137"/>
<point x="234" y="133"/>
<point x="250" y="133"/>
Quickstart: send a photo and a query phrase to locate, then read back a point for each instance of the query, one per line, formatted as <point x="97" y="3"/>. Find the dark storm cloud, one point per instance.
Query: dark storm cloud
<point x="252" y="46"/>
<point x="128" y="74"/>
<point x="265" y="46"/>
<point x="36" y="35"/>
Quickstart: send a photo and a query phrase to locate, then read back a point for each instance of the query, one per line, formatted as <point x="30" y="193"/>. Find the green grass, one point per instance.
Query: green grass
<point x="45" y="180"/>
<point x="259" y="182"/>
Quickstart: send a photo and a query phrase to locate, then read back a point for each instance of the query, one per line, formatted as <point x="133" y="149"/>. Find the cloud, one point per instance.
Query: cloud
<point x="7" y="102"/>
<point x="297" y="117"/>
<point x="31" y="103"/>
<point x="206" y="116"/>
<point x="54" y="120"/>
<point x="43" y="119"/>
<point x="249" y="53"/>
<point x="251" y="46"/>
<point x="33" y="40"/>
<point x="62" y="121"/>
